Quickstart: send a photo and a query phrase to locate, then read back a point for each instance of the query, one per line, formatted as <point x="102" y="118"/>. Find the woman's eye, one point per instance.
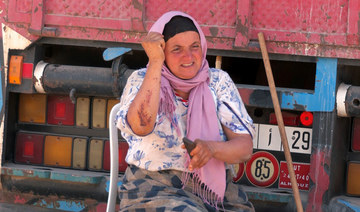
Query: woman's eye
<point x="176" y="50"/>
<point x="196" y="46"/>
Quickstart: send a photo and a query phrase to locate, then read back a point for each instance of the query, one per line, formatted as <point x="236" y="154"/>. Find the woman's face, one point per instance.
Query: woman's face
<point x="183" y="54"/>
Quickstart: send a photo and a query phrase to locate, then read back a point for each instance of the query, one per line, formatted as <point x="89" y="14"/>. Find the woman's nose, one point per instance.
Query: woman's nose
<point x="188" y="54"/>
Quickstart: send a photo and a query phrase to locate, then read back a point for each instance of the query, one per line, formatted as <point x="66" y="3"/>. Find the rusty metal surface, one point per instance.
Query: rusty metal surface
<point x="303" y="27"/>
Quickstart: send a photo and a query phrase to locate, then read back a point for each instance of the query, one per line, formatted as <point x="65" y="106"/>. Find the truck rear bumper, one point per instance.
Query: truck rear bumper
<point x="7" y="207"/>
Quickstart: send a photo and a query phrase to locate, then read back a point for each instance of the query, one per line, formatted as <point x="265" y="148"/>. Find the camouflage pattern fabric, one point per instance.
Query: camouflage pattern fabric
<point x="144" y="190"/>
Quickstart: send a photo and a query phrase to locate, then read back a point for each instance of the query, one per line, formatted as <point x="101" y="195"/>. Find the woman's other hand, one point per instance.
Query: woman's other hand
<point x="237" y="149"/>
<point x="201" y="154"/>
<point x="154" y="46"/>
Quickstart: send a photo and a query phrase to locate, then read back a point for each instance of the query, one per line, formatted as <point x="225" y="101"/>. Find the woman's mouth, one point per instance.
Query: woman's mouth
<point x="187" y="64"/>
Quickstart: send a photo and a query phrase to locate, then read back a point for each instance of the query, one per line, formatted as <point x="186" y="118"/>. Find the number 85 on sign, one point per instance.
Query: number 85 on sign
<point x="299" y="139"/>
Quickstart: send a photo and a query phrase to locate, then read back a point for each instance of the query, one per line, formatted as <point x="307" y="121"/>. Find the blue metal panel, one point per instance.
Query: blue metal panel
<point x="108" y="185"/>
<point x="64" y="205"/>
<point x="71" y="177"/>
<point x="323" y="99"/>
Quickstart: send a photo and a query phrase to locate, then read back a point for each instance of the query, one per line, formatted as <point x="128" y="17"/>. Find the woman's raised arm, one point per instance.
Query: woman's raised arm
<point x="143" y="110"/>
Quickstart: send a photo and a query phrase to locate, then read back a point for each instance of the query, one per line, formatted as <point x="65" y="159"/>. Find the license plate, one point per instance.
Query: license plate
<point x="299" y="139"/>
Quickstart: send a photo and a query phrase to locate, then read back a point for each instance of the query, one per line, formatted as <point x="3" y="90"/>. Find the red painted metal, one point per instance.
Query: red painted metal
<point x="243" y="24"/>
<point x="320" y="159"/>
<point x="353" y="23"/>
<point x="322" y="28"/>
<point x="37" y="17"/>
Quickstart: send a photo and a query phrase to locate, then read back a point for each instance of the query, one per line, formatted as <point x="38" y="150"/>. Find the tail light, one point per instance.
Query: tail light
<point x="353" y="171"/>
<point x="355" y="144"/>
<point x="18" y="70"/>
<point x="29" y="148"/>
<point x="306" y="118"/>
<point x="353" y="182"/>
<point x="58" y="151"/>
<point x="15" y="69"/>
<point x="98" y="113"/>
<point x="32" y="108"/>
<point x="123" y="147"/>
<point x="79" y="153"/>
<point x="60" y="110"/>
<point x="27" y="72"/>
<point x="82" y="112"/>
<point x="110" y="105"/>
<point x="96" y="154"/>
<point x="290" y="119"/>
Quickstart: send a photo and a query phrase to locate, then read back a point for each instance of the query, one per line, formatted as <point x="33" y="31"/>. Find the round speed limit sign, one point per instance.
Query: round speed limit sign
<point x="262" y="169"/>
<point x="239" y="171"/>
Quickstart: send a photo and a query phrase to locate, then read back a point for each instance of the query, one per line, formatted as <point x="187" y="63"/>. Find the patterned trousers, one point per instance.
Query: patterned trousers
<point x="162" y="191"/>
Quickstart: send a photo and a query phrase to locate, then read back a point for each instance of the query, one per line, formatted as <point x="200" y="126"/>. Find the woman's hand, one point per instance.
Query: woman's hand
<point x="201" y="154"/>
<point x="154" y="46"/>
<point x="237" y="149"/>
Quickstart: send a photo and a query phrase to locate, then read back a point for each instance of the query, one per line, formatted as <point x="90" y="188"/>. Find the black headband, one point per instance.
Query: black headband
<point x="177" y="25"/>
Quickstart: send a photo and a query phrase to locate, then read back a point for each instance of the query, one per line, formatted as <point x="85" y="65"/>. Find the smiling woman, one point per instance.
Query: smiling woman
<point x="183" y="54"/>
<point x="179" y="96"/>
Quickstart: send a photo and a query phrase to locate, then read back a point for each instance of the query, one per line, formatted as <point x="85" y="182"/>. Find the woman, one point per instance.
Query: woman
<point x="178" y="96"/>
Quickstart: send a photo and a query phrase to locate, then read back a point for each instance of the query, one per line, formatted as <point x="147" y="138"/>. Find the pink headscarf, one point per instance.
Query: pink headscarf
<point x="202" y="120"/>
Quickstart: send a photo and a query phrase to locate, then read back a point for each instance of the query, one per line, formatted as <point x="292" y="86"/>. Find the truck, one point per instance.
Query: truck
<point x="64" y="64"/>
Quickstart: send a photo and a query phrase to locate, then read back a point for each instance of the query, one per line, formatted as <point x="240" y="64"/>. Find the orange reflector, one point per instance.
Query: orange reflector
<point x="110" y="105"/>
<point x="306" y="118"/>
<point x="15" y="69"/>
<point x="32" y="108"/>
<point x="79" y="153"/>
<point x="82" y="112"/>
<point x="96" y="154"/>
<point x="29" y="148"/>
<point x="57" y="151"/>
<point x="353" y="182"/>
<point x="355" y="138"/>
<point x="98" y="113"/>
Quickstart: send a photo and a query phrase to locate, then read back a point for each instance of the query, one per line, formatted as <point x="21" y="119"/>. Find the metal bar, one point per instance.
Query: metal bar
<point x="114" y="163"/>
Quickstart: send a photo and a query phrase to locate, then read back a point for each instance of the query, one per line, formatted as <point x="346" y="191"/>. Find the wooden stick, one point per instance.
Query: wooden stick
<point x="280" y="121"/>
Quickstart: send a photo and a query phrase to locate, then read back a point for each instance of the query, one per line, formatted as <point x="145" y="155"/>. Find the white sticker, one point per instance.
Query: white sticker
<point x="269" y="137"/>
<point x="255" y="138"/>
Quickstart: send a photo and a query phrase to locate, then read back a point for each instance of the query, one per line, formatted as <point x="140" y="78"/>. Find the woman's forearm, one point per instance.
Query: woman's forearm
<point x="144" y="108"/>
<point x="236" y="150"/>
